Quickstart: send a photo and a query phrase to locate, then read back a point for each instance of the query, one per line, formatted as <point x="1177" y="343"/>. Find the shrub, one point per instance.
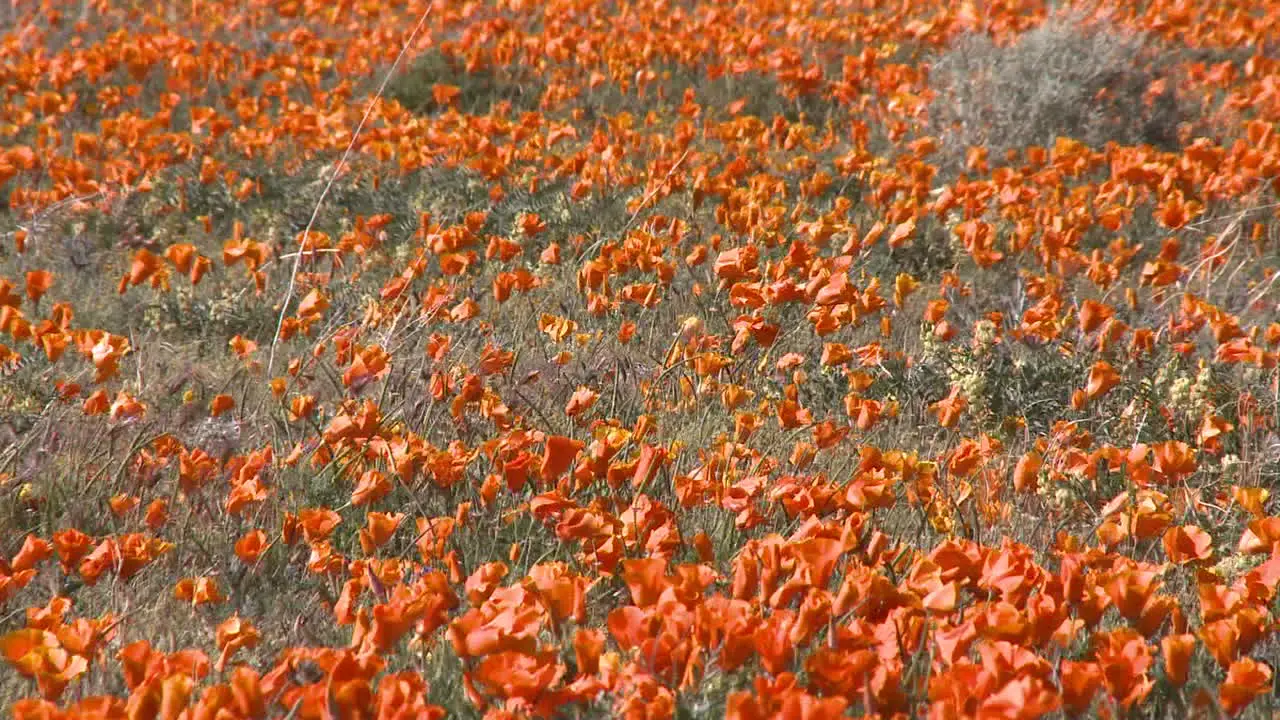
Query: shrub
<point x="479" y="89"/>
<point x="1071" y="76"/>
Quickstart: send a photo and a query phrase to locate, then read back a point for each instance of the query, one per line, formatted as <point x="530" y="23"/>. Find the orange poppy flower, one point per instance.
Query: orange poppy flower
<point x="949" y="409"/>
<point x="37" y="654"/>
<point x="1246" y="680"/>
<point x="250" y="546"/>
<point x="1187" y="544"/>
<point x="232" y="635"/>
<point x="582" y="400"/>
<point x="558" y="455"/>
<point x="1102" y="378"/>
<point x="198" y="591"/>
<point x="1177" y="650"/>
<point x="38" y="283"/>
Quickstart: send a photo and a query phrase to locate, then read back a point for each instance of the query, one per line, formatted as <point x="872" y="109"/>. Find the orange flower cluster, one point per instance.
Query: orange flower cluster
<point x="766" y="414"/>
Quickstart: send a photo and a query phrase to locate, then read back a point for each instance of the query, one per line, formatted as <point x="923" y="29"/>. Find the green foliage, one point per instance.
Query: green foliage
<point x="481" y="89"/>
<point x="1067" y="78"/>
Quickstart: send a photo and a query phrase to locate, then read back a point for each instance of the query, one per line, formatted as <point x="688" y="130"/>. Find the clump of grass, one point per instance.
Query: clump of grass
<point x="479" y="89"/>
<point x="1072" y="76"/>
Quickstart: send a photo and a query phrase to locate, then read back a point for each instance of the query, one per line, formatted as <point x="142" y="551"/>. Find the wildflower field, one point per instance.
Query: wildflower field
<point x="639" y="358"/>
